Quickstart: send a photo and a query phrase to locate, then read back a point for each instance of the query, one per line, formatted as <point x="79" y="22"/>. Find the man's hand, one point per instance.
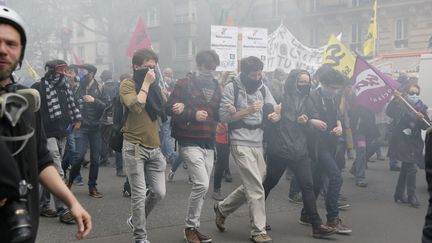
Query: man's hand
<point x="178" y="108"/>
<point x="303" y="119"/>
<point x="76" y="126"/>
<point x="420" y="115"/>
<point x="201" y="116"/>
<point x="2" y="202"/>
<point x="88" y="98"/>
<point x="82" y="219"/>
<point x="322" y="126"/>
<point x="274" y="117"/>
<point x="397" y="93"/>
<point x="278" y="108"/>
<point x="231" y="109"/>
<point x="255" y="107"/>
<point x="337" y="131"/>
<point x="149" y="78"/>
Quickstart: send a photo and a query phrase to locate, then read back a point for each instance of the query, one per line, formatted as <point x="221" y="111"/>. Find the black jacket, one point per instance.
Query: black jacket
<point x="363" y="122"/>
<point x="403" y="147"/>
<point x="91" y="112"/>
<point x="427" y="228"/>
<point x="287" y="138"/>
<point x="35" y="156"/>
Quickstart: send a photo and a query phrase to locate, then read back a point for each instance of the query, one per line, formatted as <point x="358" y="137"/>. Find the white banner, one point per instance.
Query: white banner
<point x="224" y="41"/>
<point x="287" y="53"/>
<point x="255" y="43"/>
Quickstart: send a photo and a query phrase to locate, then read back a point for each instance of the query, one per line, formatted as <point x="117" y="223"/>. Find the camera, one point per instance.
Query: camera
<point x="18" y="218"/>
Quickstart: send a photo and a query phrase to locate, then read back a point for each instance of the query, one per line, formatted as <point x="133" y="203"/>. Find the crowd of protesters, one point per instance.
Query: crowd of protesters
<point x="295" y="123"/>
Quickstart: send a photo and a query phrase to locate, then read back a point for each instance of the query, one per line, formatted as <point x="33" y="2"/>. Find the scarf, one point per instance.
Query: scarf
<point x="52" y="84"/>
<point x="251" y="85"/>
<point x="154" y="104"/>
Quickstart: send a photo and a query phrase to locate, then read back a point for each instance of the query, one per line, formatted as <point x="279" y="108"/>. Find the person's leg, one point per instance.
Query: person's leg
<point x="303" y="174"/>
<point x="200" y="164"/>
<point x="360" y="162"/>
<point x="134" y="157"/>
<point x="411" y="170"/>
<point x="332" y="171"/>
<point x="95" y="146"/>
<point x="275" y="169"/>
<point x="252" y="168"/>
<point x="119" y="163"/>
<point x="154" y="169"/>
<point x="222" y="160"/>
<point x="81" y="143"/>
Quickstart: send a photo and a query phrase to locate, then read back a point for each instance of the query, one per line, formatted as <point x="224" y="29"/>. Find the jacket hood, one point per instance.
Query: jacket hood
<point x="291" y="82"/>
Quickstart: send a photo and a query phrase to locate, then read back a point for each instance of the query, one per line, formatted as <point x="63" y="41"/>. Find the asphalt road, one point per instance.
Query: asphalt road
<point x="373" y="215"/>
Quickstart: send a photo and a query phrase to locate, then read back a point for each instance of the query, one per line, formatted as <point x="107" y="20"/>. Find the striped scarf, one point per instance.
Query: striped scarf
<point x="53" y="103"/>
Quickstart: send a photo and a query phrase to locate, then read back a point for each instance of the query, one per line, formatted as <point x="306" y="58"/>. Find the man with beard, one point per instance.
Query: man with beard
<point x="144" y="161"/>
<point x="58" y="111"/>
<point x="242" y="108"/>
<point x="31" y="157"/>
<point x="194" y="106"/>
<point x="91" y="104"/>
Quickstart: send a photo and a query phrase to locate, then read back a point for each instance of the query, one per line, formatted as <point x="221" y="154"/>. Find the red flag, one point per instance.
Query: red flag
<point x="140" y="38"/>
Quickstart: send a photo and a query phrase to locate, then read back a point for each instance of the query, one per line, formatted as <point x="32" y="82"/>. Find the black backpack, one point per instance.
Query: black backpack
<point x="111" y="131"/>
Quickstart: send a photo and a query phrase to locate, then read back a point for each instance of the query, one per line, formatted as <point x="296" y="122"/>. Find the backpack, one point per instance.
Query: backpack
<point x="240" y="123"/>
<point x="111" y="132"/>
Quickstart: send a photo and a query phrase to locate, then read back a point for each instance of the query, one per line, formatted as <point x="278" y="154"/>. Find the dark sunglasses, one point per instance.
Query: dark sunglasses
<point x="413" y="93"/>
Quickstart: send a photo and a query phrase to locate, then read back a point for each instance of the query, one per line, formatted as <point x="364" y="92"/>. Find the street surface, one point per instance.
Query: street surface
<point x="373" y="215"/>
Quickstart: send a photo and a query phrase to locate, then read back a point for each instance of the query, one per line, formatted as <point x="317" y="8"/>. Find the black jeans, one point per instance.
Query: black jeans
<point x="303" y="174"/>
<point x="327" y="166"/>
<point x="407" y="179"/>
<point x="222" y="164"/>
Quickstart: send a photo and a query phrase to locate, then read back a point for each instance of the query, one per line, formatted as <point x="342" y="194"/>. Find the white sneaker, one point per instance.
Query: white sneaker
<point x="170" y="177"/>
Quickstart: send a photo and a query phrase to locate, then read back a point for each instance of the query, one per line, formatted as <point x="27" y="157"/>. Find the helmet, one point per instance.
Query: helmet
<point x="9" y="16"/>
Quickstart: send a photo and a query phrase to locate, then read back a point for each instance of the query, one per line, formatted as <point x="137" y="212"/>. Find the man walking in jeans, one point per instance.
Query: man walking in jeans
<point x="144" y="162"/>
<point x="242" y="108"/>
<point x="194" y="106"/>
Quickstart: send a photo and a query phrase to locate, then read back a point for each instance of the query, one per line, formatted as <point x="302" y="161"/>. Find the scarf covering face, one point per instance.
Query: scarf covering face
<point x="155" y="103"/>
<point x="251" y="85"/>
<point x="58" y="82"/>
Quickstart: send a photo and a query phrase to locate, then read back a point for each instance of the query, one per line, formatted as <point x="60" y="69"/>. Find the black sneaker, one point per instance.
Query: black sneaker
<point x="304" y="220"/>
<point x="323" y="231"/>
<point x="48" y="212"/>
<point x="296" y="198"/>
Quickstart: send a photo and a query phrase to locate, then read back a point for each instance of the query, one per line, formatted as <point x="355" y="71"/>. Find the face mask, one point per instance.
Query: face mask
<point x="304" y="89"/>
<point x="414" y="98"/>
<point x="251" y="85"/>
<point x="328" y="92"/>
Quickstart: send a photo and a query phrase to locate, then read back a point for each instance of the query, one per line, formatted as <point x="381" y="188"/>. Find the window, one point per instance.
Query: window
<point x="184" y="12"/>
<point x="356" y="40"/>
<point x="181" y="48"/>
<point x="185" y="48"/>
<point x="401" y="33"/>
<point x="153" y="17"/>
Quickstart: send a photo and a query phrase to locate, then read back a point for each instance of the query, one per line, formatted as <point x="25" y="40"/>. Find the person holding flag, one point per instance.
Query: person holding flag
<point x="409" y="116"/>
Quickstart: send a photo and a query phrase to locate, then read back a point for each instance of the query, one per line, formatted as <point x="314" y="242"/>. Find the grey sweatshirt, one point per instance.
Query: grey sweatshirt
<point x="243" y="136"/>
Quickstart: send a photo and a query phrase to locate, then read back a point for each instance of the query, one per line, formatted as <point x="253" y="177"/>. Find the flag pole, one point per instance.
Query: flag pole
<point x="413" y="109"/>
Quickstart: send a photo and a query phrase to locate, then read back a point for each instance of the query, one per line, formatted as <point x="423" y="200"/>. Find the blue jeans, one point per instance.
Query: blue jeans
<point x="119" y="161"/>
<point x="167" y="142"/>
<point x="327" y="165"/>
<point x="360" y="161"/>
<point x="83" y="137"/>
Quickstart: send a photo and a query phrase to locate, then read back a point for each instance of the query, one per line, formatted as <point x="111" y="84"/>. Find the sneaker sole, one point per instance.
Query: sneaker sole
<point x="323" y="236"/>
<point x="216" y="210"/>
<point x="304" y="223"/>
<point x="344" y="232"/>
<point x="295" y="202"/>
<point x="269" y="241"/>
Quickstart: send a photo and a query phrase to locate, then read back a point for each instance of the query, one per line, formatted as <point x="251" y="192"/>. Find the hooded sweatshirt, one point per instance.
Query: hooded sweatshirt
<point x="244" y="136"/>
